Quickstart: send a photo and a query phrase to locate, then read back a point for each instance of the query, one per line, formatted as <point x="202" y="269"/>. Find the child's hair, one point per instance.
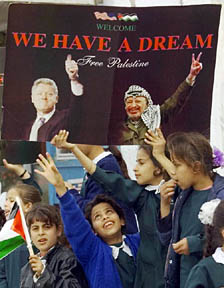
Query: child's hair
<point x="27" y="193"/>
<point x="214" y="237"/>
<point x="2" y="218"/>
<point x="48" y="214"/>
<point x="45" y="213"/>
<point x="191" y="147"/>
<point x="102" y="198"/>
<point x="148" y="149"/>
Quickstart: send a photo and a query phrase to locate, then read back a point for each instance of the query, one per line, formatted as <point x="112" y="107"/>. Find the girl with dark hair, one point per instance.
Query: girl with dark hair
<point x="193" y="183"/>
<point x="209" y="272"/>
<point x="54" y="265"/>
<point x="143" y="196"/>
<point x="107" y="256"/>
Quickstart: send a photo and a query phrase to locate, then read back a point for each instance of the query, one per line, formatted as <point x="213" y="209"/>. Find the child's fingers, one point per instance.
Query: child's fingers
<point x="66" y="135"/>
<point x="160" y="134"/>
<point x="39" y="172"/>
<point x="5" y="162"/>
<point x="49" y="158"/>
<point x="39" y="162"/>
<point x="152" y="135"/>
<point x="177" y="247"/>
<point x="147" y="141"/>
<point x="53" y="140"/>
<point x="62" y="133"/>
<point x="43" y="160"/>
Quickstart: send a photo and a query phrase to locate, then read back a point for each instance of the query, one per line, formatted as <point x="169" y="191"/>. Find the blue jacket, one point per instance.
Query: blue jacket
<point x="93" y="253"/>
<point x="169" y="231"/>
<point x="91" y="188"/>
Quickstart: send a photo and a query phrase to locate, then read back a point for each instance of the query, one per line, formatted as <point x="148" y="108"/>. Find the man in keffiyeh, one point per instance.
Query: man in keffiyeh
<point x="142" y="114"/>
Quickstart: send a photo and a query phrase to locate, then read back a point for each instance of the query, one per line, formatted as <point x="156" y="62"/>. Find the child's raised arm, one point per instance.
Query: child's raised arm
<point x="51" y="173"/>
<point x="60" y="141"/>
<point x="158" y="143"/>
<point x="78" y="232"/>
<point x="17" y="169"/>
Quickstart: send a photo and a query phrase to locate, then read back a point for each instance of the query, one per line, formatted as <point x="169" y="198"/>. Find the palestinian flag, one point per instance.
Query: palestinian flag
<point x="12" y="234"/>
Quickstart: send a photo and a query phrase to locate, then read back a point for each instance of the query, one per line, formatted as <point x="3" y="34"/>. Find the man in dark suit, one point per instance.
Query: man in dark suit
<point x="49" y="121"/>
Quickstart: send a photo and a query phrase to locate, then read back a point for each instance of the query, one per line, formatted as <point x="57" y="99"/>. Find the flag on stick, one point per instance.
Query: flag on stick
<point x="25" y="229"/>
<point x="12" y="233"/>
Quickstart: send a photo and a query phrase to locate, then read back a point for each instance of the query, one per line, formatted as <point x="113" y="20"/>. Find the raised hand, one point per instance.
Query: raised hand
<point x="71" y="67"/>
<point x="157" y="141"/>
<point x="16" y="168"/>
<point x="196" y="65"/>
<point x="60" y="140"/>
<point x="51" y="173"/>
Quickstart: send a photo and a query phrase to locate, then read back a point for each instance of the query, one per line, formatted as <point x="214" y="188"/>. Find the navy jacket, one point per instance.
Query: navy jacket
<point x="169" y="230"/>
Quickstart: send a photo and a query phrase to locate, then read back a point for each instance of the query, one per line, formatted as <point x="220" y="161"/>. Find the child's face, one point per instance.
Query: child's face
<point x="10" y="200"/>
<point x="184" y="175"/>
<point x="144" y="169"/>
<point x="44" y="235"/>
<point x="107" y="223"/>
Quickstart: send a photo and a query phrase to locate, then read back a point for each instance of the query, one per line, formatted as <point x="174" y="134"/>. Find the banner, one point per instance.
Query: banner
<point x="17" y="152"/>
<point x="111" y="54"/>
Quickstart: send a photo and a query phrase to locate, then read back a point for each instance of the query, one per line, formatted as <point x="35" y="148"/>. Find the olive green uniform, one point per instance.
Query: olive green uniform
<point x="173" y="105"/>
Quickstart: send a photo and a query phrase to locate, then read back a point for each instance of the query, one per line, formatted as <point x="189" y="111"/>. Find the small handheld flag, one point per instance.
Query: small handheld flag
<point x="12" y="235"/>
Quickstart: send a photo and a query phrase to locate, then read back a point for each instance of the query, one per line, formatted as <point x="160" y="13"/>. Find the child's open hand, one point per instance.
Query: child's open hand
<point x="36" y="265"/>
<point x="157" y="141"/>
<point x="181" y="247"/>
<point x="60" y="140"/>
<point x="51" y="173"/>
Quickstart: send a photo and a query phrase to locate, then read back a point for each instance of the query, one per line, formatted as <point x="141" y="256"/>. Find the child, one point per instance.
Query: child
<point x="90" y="188"/>
<point x="55" y="265"/>
<point x="191" y="170"/>
<point x="103" y="267"/>
<point x="143" y="196"/>
<point x="10" y="266"/>
<point x="209" y="272"/>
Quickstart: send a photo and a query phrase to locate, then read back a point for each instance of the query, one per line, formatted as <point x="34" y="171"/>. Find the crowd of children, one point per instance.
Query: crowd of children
<point x="177" y="198"/>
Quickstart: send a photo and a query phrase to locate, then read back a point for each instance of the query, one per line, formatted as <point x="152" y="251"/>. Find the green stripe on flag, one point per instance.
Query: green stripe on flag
<point x="7" y="246"/>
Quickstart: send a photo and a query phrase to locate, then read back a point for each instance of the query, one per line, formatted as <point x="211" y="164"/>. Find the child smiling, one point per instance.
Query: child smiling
<point x="99" y="246"/>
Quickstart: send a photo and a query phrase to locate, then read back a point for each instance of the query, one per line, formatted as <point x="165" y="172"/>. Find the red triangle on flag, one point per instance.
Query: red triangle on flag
<point x="17" y="225"/>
